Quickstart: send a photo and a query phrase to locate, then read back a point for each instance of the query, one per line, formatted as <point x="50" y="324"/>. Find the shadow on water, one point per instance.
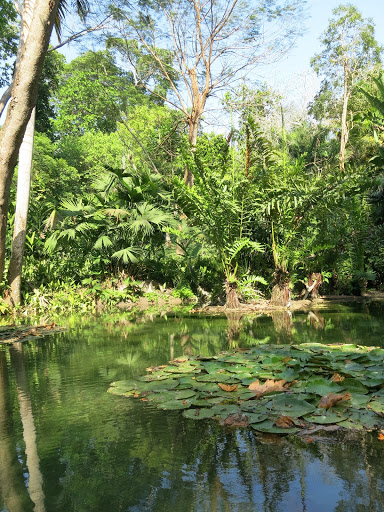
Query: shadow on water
<point x="67" y="445"/>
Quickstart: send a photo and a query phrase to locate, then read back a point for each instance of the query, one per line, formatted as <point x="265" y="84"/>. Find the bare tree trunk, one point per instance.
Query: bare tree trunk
<point x="344" y="128"/>
<point x="193" y="129"/>
<point x="21" y="213"/>
<point x="24" y="95"/>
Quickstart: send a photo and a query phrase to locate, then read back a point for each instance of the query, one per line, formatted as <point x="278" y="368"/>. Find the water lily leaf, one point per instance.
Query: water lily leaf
<point x="125" y="385"/>
<point x="184" y="393"/>
<point x="377" y="406"/>
<point x="369" y="419"/>
<point x="198" y="414"/>
<point x="359" y="401"/>
<point x="256" y="418"/>
<point x="351" y="425"/>
<point x="292" y="406"/>
<point x="225" y="410"/>
<point x="175" y="404"/>
<point x="158" y="386"/>
<point x="326" y="419"/>
<point x="268" y="426"/>
<point x="373" y="382"/>
<point x="290" y="374"/>
<point x="158" y="398"/>
<point x="322" y="386"/>
<point x="205" y="387"/>
<point x="207" y="401"/>
<point x="354" y="386"/>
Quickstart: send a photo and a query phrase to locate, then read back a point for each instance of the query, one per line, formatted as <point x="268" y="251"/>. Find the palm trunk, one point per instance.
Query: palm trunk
<point x="21" y="213"/>
<point x="232" y="298"/>
<point x="24" y="96"/>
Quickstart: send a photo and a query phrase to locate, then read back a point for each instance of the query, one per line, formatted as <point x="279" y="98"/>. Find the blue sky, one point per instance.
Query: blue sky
<point x="284" y="74"/>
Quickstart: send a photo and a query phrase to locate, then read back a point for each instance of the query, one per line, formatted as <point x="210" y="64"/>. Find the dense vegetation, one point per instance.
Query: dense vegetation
<point x="127" y="187"/>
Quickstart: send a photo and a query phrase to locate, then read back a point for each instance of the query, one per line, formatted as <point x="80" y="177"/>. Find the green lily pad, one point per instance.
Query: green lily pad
<point x="206" y="402"/>
<point x="359" y="401"/>
<point x="292" y="406"/>
<point x="354" y="386"/>
<point x="175" y="404"/>
<point x="184" y="393"/>
<point x="198" y="414"/>
<point x="325" y="419"/>
<point x="256" y="418"/>
<point x="377" y="406"/>
<point x="268" y="426"/>
<point x="322" y="386"/>
<point x="369" y="419"/>
<point x="225" y="410"/>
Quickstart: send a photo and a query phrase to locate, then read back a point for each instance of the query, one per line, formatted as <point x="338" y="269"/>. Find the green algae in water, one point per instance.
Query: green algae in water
<point x="215" y="388"/>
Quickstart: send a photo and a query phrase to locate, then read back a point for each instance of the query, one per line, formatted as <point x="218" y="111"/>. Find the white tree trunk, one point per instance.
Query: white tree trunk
<point x="21" y="214"/>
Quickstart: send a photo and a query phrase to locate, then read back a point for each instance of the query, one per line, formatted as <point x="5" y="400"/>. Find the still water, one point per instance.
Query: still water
<point x="68" y="445"/>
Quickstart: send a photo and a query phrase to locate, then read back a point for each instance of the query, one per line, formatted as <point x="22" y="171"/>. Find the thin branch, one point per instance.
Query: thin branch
<point x="83" y="32"/>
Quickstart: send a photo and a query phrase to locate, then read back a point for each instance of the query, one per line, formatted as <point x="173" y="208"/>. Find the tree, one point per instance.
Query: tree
<point x="25" y="153"/>
<point x="24" y="96"/>
<point x="206" y="45"/>
<point x="349" y="52"/>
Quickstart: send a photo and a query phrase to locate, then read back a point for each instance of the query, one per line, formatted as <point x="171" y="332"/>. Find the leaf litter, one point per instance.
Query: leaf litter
<point x="335" y="387"/>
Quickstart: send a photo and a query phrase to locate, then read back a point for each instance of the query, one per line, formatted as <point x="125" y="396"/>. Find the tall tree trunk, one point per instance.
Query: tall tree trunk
<point x="344" y="127"/>
<point x="21" y="213"/>
<point x="24" y="96"/>
<point x="193" y="129"/>
<point x="199" y="101"/>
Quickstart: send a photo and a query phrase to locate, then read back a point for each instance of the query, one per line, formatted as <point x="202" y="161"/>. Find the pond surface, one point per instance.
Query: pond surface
<point x="68" y="445"/>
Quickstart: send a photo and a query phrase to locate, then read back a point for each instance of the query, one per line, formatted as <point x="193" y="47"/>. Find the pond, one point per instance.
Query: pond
<point x="68" y="445"/>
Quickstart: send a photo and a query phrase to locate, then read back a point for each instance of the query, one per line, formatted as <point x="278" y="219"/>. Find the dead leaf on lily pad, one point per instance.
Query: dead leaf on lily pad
<point x="285" y="422"/>
<point x="336" y="377"/>
<point x="236" y="420"/>
<point x="331" y="400"/>
<point x="268" y="386"/>
<point x="228" y="387"/>
<point x="155" y="368"/>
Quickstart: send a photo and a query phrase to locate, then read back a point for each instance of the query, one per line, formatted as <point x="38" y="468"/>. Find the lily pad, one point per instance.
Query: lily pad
<point x="198" y="414"/>
<point x="326" y="419"/>
<point x="175" y="404"/>
<point x="322" y="386"/>
<point x="291" y="406"/>
<point x="269" y="426"/>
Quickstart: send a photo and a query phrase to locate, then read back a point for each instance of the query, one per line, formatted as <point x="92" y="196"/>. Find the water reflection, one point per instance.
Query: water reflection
<point x="67" y="445"/>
